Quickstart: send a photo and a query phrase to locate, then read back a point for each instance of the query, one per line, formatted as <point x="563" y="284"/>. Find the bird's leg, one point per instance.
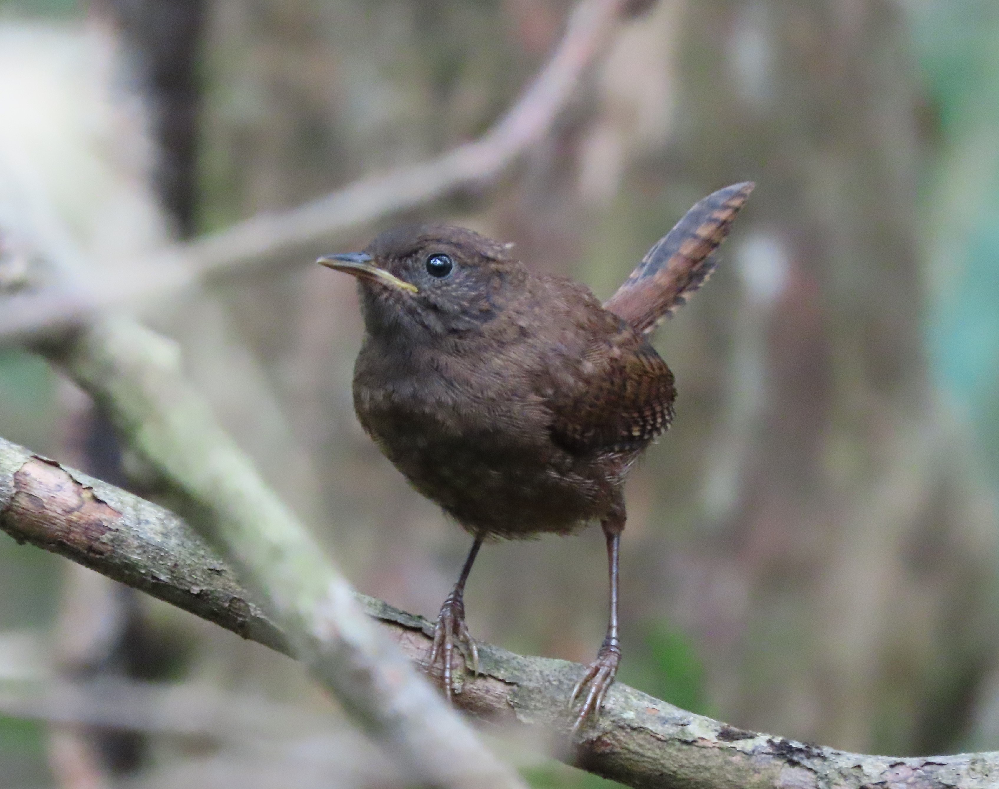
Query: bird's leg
<point x="452" y="631"/>
<point x="600" y="674"/>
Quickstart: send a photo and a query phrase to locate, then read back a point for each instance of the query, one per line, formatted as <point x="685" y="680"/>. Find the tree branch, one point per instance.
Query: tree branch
<point x="134" y="373"/>
<point x="299" y="232"/>
<point x="639" y="740"/>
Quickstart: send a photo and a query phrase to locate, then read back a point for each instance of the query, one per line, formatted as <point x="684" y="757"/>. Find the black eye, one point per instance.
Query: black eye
<point x="439" y="265"/>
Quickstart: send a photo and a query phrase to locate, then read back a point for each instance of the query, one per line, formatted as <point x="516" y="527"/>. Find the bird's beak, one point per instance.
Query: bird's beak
<point x="359" y="264"/>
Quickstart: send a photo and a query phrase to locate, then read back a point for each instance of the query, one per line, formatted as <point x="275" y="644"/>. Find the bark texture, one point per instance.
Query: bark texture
<point x="640" y="741"/>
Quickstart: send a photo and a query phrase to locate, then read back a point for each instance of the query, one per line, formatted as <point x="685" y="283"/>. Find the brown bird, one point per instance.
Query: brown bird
<point x="515" y="400"/>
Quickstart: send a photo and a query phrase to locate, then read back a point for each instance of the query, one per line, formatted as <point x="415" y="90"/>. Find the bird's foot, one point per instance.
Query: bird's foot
<point x="450" y="632"/>
<point x="596" y="681"/>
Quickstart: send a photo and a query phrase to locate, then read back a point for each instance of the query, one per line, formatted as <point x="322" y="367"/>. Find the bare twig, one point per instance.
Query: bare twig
<point x="640" y="741"/>
<point x="281" y="236"/>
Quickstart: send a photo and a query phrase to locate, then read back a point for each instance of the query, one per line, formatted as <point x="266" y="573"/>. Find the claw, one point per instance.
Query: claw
<point x="450" y="632"/>
<point x="598" y="678"/>
<point x="470" y="644"/>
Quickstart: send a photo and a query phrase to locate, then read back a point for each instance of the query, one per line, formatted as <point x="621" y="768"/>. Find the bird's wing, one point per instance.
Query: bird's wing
<point x="624" y="399"/>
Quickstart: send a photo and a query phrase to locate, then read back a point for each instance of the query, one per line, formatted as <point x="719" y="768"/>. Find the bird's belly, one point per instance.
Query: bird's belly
<point x="492" y="479"/>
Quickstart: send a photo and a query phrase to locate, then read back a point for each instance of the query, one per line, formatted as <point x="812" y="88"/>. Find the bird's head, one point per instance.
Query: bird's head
<point x="431" y="280"/>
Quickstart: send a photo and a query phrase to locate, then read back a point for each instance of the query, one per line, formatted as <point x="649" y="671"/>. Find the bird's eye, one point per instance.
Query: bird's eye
<point x="439" y="265"/>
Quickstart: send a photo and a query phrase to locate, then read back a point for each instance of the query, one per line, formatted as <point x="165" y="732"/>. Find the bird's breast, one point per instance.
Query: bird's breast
<point x="477" y="442"/>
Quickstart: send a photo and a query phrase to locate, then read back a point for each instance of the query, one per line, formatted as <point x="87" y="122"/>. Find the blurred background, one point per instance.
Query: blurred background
<point x="813" y="548"/>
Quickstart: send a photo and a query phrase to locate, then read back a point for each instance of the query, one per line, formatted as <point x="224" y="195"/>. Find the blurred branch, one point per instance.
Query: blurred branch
<point x="267" y="238"/>
<point x="135" y="374"/>
<point x="290" y="737"/>
<point x="639" y="740"/>
<point x="170" y="709"/>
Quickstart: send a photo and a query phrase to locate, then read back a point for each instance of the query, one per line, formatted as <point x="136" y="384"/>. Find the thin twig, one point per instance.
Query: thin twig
<point x="639" y="740"/>
<point x="279" y="734"/>
<point x="299" y="232"/>
<point x="172" y="709"/>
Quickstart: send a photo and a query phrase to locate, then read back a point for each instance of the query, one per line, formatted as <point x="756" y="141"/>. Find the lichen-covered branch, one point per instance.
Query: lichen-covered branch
<point x="125" y="538"/>
<point x="281" y="236"/>
<point x="639" y="740"/>
<point x="135" y="374"/>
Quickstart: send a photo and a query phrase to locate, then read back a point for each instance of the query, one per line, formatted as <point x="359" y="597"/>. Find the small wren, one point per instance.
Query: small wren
<point x="515" y="400"/>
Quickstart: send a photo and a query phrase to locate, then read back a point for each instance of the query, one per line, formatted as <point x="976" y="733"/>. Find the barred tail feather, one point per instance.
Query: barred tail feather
<point x="680" y="262"/>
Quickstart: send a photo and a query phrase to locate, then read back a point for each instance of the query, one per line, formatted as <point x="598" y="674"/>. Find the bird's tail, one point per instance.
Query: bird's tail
<point x="680" y="262"/>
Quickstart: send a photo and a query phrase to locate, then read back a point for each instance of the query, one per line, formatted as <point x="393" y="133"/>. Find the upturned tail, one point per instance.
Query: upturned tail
<point x="680" y="262"/>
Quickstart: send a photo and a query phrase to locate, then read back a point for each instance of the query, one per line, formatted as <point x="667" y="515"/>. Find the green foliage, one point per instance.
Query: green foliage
<point x="958" y="49"/>
<point x="28" y="585"/>
<point x="553" y="775"/>
<point x="956" y="46"/>
<point x="668" y="668"/>
<point x="22" y="753"/>
<point x="40" y="8"/>
<point x="27" y="577"/>
<point x="26" y="402"/>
